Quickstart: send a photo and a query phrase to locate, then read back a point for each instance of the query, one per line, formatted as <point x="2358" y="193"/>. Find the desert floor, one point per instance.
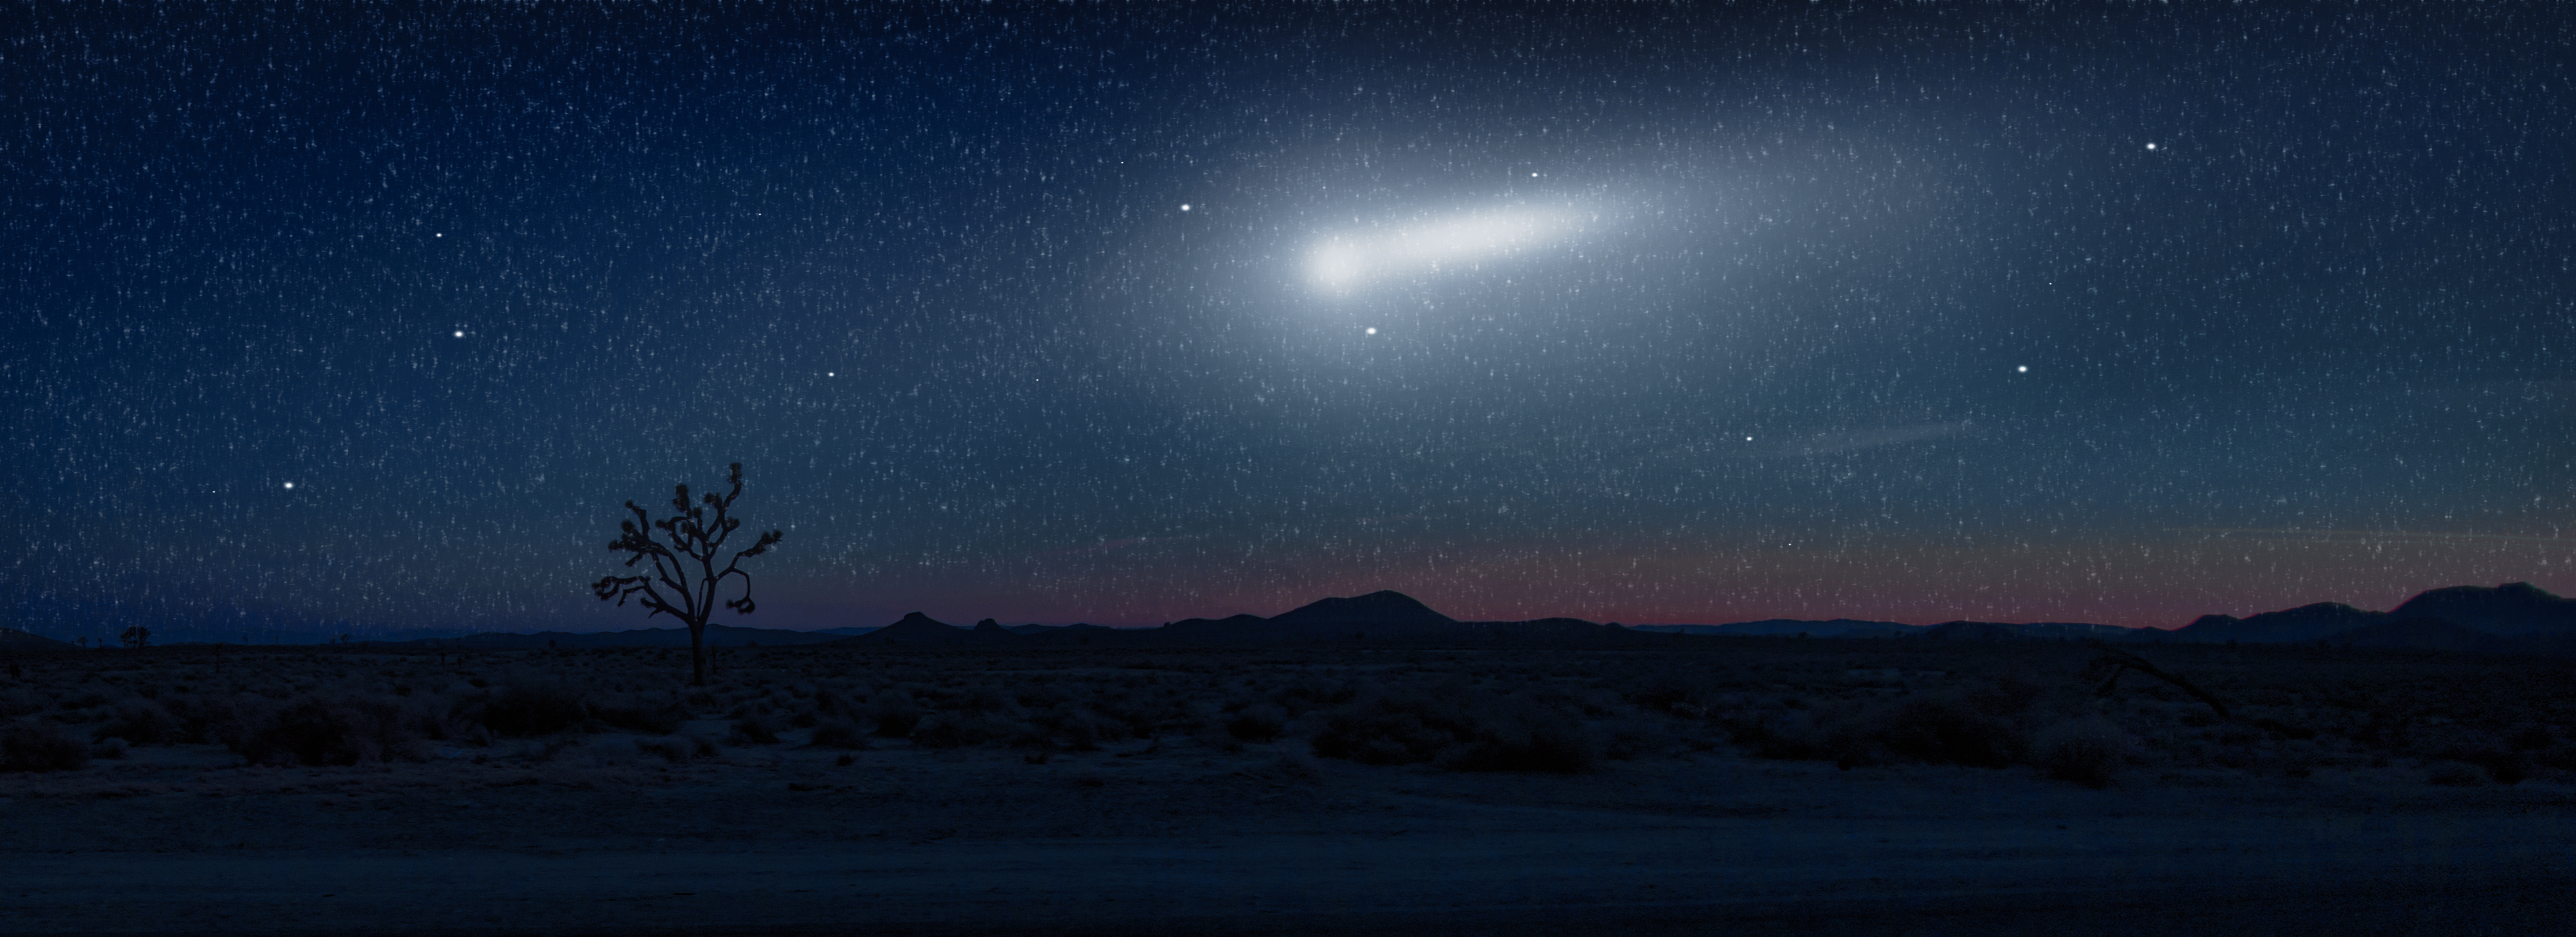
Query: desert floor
<point x="586" y="832"/>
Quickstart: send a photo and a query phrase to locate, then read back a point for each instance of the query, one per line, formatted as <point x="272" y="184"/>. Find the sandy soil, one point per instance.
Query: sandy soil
<point x="1184" y="838"/>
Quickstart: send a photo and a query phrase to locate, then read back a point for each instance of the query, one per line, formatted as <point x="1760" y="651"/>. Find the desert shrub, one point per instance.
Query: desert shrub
<point x="838" y="733"/>
<point x="532" y="708"/>
<point x="1081" y="729"/>
<point x="2083" y="751"/>
<point x="895" y="715"/>
<point x="107" y="749"/>
<point x="1310" y="694"/>
<point x="1257" y="723"/>
<point x="1679" y="692"/>
<point x="1528" y="738"/>
<point x="1785" y="736"/>
<point x="16" y="703"/>
<point x="985" y="699"/>
<point x="1631" y="741"/>
<point x="317" y="730"/>
<point x="827" y="702"/>
<point x="679" y="749"/>
<point x="1946" y="730"/>
<point x="1387" y="731"/>
<point x="1462" y="728"/>
<point x="206" y="718"/>
<point x="2507" y="768"/>
<point x="2497" y="758"/>
<point x="2455" y="774"/>
<point x="960" y="730"/>
<point x="638" y="713"/>
<point x="1939" y="728"/>
<point x="141" y="722"/>
<point x="754" y="729"/>
<point x="37" y="745"/>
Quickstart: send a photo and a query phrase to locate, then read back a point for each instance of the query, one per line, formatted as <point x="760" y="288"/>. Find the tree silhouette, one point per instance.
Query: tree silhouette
<point x="684" y="578"/>
<point x="137" y="637"/>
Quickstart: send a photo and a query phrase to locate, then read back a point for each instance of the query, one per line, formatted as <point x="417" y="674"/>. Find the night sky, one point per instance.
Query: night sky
<point x="368" y="318"/>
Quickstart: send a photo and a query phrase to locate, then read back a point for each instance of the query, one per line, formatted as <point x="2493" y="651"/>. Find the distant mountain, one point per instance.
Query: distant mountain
<point x="716" y="636"/>
<point x="1229" y="628"/>
<point x="1077" y="628"/>
<point x="2515" y="617"/>
<point x="13" y="639"/>
<point x="1834" y="628"/>
<point x="2420" y="634"/>
<point x="2028" y="631"/>
<point x="2304" y="623"/>
<point x="1973" y="631"/>
<point x="1384" y="613"/>
<point x="918" y="630"/>
<point x="1384" y="608"/>
<point x="2512" y="610"/>
<point x="1377" y="618"/>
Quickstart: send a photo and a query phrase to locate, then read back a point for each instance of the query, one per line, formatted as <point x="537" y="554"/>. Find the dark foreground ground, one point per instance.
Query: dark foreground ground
<point x="2319" y="824"/>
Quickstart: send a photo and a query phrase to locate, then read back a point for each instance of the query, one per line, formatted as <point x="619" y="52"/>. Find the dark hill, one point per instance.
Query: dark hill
<point x="1836" y="628"/>
<point x="1229" y="628"/>
<point x="1385" y="607"/>
<point x="1077" y="628"/>
<point x="16" y="640"/>
<point x="1972" y="631"/>
<point x="2514" y="609"/>
<point x="2304" y="623"/>
<point x="2420" y="634"/>
<point x="915" y="629"/>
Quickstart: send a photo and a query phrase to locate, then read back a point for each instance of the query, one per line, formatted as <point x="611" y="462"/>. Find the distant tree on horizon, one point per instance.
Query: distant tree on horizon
<point x="684" y="577"/>
<point x="137" y="638"/>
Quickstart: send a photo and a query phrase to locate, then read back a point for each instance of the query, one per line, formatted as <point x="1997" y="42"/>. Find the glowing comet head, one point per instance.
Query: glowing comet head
<point x="1346" y="261"/>
<point x="1339" y="264"/>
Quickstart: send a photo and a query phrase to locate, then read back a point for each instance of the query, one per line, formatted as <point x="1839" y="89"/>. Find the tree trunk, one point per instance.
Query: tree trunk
<point x="698" y="653"/>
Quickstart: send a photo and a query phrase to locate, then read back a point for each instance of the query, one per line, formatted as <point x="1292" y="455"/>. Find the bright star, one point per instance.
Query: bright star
<point x="1185" y="208"/>
<point x="290" y="485"/>
<point x="1372" y="330"/>
<point x="2024" y="369"/>
<point x="460" y="333"/>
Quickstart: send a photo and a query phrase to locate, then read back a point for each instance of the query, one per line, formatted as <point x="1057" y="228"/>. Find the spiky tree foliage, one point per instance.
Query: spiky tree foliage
<point x="684" y="577"/>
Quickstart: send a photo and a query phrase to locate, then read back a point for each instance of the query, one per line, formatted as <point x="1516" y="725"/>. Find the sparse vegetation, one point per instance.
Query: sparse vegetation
<point x="2290" y="711"/>
<point x="37" y="745"/>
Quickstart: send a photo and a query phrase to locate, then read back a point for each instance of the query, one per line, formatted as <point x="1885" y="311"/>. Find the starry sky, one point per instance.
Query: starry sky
<point x="369" y="317"/>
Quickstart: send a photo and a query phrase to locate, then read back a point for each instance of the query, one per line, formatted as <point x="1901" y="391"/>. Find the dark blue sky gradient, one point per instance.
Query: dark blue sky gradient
<point x="925" y="272"/>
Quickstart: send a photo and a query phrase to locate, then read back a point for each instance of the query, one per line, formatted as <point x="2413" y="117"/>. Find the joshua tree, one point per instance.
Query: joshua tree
<point x="137" y="637"/>
<point x="684" y="578"/>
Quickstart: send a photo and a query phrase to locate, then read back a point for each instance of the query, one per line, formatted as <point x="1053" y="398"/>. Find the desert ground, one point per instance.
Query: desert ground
<point x="1752" y="784"/>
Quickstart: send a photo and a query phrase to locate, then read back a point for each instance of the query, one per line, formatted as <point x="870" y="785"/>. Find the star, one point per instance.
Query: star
<point x="290" y="486"/>
<point x="1372" y="330"/>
